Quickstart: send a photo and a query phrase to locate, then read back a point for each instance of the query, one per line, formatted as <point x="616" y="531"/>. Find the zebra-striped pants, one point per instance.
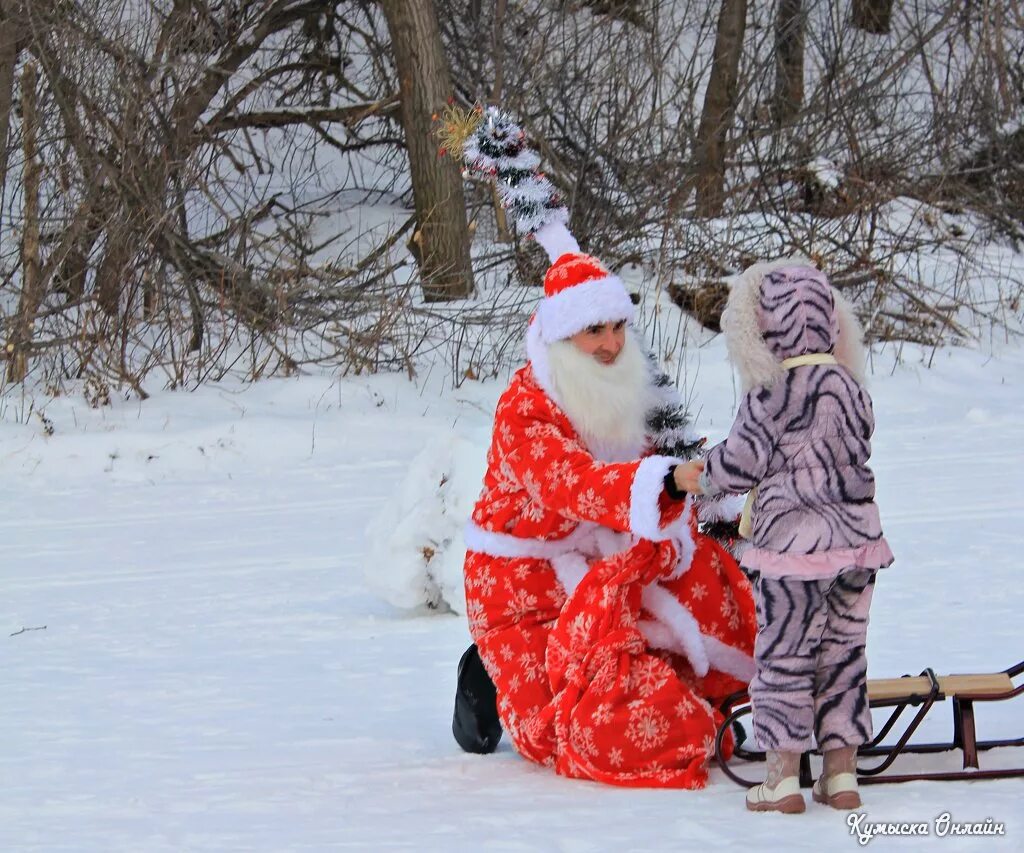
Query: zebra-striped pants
<point x="811" y="664"/>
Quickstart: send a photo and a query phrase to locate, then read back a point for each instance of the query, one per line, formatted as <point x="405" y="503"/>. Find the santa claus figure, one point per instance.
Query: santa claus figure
<point x="607" y="630"/>
<point x="608" y="626"/>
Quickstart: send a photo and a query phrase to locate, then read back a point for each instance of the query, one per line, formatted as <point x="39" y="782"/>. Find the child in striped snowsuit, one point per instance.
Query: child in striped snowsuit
<point x="801" y="440"/>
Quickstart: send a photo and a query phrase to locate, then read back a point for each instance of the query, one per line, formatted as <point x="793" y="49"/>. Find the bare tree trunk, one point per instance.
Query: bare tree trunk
<point x="719" y="108"/>
<point x="500" y="217"/>
<point x="80" y="237"/>
<point x="110" y="272"/>
<point x="31" y="280"/>
<point x="442" y="238"/>
<point x="11" y="37"/>
<point x="789" y="61"/>
<point x="873" y="16"/>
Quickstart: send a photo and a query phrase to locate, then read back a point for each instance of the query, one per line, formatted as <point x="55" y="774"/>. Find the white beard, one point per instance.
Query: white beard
<point x="606" y="403"/>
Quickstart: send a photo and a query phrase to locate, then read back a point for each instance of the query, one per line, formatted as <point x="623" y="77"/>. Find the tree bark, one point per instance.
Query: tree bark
<point x="31" y="279"/>
<point x="873" y="16"/>
<point x="719" y="108"/>
<point x="441" y="238"/>
<point x="500" y="217"/>
<point x="789" y="61"/>
<point x="111" y="269"/>
<point x="12" y="32"/>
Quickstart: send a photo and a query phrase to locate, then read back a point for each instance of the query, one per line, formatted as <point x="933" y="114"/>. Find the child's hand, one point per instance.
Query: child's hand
<point x="687" y="476"/>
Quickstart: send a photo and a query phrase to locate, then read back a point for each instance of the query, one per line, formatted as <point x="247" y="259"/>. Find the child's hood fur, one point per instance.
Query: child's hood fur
<point x="744" y="318"/>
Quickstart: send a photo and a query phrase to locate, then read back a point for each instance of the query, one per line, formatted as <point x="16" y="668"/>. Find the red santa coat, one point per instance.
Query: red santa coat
<point x="609" y="626"/>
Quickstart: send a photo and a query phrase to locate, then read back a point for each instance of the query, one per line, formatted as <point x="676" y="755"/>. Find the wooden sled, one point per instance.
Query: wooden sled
<point x="922" y="692"/>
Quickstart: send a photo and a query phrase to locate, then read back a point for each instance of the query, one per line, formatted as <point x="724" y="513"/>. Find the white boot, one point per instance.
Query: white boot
<point x="839" y="791"/>
<point x="784" y="797"/>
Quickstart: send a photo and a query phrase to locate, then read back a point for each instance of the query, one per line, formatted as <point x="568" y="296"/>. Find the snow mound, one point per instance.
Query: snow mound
<point x="416" y="549"/>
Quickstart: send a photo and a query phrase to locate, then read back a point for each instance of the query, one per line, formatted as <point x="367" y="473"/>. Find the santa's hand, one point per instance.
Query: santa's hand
<point x="687" y="476"/>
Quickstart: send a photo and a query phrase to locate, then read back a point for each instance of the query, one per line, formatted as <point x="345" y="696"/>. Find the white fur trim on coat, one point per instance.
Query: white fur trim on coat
<point x="670" y="612"/>
<point x="588" y="539"/>
<point x="675" y="629"/>
<point x="685" y="544"/>
<point x="748" y="352"/>
<point x="570" y="569"/>
<point x="601" y="300"/>
<point x="728" y="659"/>
<point x="849" y="349"/>
<point x="610" y="542"/>
<point x="506" y="545"/>
<point x="658" y="636"/>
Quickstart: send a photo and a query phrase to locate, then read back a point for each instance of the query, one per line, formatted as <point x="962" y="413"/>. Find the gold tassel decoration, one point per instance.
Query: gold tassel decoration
<point x="457" y="125"/>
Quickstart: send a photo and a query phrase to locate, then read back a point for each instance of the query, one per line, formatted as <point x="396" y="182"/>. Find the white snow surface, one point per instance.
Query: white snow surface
<point x="204" y="667"/>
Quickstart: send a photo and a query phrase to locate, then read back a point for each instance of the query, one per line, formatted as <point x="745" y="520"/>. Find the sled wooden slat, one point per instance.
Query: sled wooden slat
<point x="922" y="693"/>
<point x="964" y="686"/>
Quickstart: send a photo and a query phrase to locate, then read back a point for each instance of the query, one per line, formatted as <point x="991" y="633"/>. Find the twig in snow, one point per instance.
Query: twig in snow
<point x="23" y="630"/>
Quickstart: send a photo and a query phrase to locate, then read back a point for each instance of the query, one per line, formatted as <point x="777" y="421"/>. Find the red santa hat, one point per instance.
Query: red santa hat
<point x="579" y="292"/>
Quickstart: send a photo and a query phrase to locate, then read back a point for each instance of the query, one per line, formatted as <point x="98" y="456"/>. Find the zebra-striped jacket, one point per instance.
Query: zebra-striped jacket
<point x="802" y="436"/>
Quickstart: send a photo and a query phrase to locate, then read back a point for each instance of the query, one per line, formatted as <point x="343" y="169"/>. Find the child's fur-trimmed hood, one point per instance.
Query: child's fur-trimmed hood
<point x="786" y="308"/>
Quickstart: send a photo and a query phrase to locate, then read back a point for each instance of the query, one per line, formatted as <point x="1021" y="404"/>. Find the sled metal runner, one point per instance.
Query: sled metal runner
<point x="922" y="692"/>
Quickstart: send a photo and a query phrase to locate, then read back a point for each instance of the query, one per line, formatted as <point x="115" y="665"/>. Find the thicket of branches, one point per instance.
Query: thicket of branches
<point x="166" y="172"/>
<point x="191" y="187"/>
<point x="867" y="151"/>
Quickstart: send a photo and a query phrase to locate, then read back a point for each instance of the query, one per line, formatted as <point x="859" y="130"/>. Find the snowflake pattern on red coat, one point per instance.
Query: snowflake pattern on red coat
<point x="579" y="686"/>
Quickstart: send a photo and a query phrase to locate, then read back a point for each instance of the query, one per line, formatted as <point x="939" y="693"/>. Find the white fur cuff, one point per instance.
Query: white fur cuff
<point x="644" y="511"/>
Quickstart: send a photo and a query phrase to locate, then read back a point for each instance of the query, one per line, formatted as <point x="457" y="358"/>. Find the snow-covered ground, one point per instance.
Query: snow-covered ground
<point x="203" y="667"/>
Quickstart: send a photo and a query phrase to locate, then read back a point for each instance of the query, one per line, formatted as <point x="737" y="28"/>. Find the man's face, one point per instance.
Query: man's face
<point x="602" y="342"/>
